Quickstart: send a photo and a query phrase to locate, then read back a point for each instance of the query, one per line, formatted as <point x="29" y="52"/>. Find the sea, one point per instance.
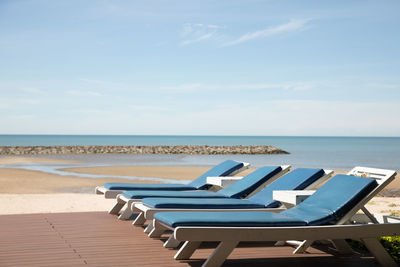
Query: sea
<point x="338" y="153"/>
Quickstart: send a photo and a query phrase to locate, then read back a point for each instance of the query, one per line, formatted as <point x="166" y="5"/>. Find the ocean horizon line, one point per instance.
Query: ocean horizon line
<point x="190" y="135"/>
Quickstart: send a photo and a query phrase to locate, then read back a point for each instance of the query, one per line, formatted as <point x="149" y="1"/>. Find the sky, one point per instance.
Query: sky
<point x="229" y="67"/>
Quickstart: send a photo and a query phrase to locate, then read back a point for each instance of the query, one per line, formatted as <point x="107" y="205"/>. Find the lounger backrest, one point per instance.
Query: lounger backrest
<point x="251" y="182"/>
<point x="380" y="175"/>
<point x="223" y="169"/>
<point x="383" y="177"/>
<point x="297" y="179"/>
<point x="333" y="200"/>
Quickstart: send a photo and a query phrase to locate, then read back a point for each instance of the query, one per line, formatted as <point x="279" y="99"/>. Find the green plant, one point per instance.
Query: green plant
<point x="392" y="246"/>
<point x="356" y="244"/>
<point x="395" y="213"/>
<point x="390" y="243"/>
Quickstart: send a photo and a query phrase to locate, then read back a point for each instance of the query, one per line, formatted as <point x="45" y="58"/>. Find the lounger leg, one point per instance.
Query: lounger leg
<point x="117" y="207"/>
<point x="369" y="215"/>
<point x="379" y="252"/>
<point x="140" y="219"/>
<point x="171" y="242"/>
<point x="187" y="250"/>
<point x="303" y="246"/>
<point x="156" y="232"/>
<point x="149" y="228"/>
<point x="342" y="246"/>
<point x="126" y="214"/>
<point x="220" y="253"/>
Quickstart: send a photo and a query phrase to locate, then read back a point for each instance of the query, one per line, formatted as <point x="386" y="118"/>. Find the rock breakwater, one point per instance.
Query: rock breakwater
<point x="183" y="149"/>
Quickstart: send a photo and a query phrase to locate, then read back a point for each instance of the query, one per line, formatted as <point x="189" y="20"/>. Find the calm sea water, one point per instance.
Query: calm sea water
<point x="325" y="152"/>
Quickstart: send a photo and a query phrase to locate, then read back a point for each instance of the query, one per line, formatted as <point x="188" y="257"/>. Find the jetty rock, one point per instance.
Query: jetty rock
<point x="179" y="149"/>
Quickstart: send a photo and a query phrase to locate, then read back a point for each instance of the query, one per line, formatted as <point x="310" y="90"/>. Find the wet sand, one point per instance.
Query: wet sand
<point x="11" y="160"/>
<point x="17" y="181"/>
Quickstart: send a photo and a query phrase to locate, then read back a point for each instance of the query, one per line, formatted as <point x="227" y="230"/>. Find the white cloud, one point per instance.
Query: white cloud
<point x="214" y="27"/>
<point x="32" y="90"/>
<point x="147" y="108"/>
<point x="292" y="26"/>
<point x="190" y="87"/>
<point x="15" y="103"/>
<point x="28" y="101"/>
<point x="194" y="33"/>
<point x="92" y="81"/>
<point x="22" y="116"/>
<point x="193" y="87"/>
<point x="291" y="117"/>
<point x="4" y="105"/>
<point x="87" y="111"/>
<point x="198" y="39"/>
<point x="83" y="93"/>
<point x="102" y="85"/>
<point x="187" y="29"/>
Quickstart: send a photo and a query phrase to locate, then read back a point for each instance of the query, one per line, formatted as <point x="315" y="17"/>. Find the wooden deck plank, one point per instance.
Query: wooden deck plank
<point x="99" y="239"/>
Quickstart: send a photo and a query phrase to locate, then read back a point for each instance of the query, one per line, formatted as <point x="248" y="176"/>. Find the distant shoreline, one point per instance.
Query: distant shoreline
<point x="178" y="149"/>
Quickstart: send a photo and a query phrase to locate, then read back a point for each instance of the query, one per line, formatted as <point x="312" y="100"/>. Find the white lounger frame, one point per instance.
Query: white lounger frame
<point x="229" y="238"/>
<point x="147" y="213"/>
<point x="130" y="208"/>
<point x="101" y="190"/>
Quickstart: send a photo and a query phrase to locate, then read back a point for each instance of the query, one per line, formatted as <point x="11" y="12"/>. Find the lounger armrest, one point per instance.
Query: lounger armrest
<point x="223" y="181"/>
<point x="290" y="198"/>
<point x="100" y="190"/>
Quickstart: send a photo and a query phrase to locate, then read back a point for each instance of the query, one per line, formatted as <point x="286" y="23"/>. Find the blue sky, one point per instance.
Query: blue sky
<point x="200" y="67"/>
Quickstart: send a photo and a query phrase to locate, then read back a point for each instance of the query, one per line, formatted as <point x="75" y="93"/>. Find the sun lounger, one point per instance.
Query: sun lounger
<point x="312" y="219"/>
<point x="298" y="179"/>
<point x="226" y="168"/>
<point x="382" y="177"/>
<point x="240" y="189"/>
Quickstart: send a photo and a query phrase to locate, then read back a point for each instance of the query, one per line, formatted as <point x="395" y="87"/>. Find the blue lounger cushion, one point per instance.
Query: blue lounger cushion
<point x="206" y="203"/>
<point x="333" y="200"/>
<point x="250" y="182"/>
<point x="297" y="179"/>
<point x="130" y="186"/>
<point x="223" y="169"/>
<point x="139" y="194"/>
<point x="238" y="189"/>
<point x="328" y="205"/>
<point x="226" y="218"/>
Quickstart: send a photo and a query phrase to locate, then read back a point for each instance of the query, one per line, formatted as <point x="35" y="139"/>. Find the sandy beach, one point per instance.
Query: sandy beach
<point x="27" y="191"/>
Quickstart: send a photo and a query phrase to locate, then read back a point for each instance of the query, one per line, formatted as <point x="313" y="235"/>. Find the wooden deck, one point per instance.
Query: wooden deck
<point x="99" y="239"/>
